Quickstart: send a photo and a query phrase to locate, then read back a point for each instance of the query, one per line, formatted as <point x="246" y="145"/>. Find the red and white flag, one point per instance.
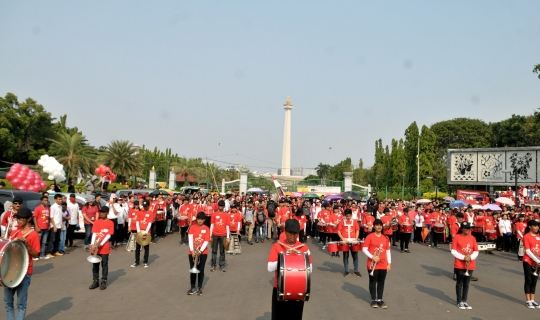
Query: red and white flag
<point x="279" y="187"/>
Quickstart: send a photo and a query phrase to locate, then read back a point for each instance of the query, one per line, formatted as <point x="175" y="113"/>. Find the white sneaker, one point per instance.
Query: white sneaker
<point x="535" y="304"/>
<point x="530" y="305"/>
<point x="43" y="257"/>
<point x="468" y="307"/>
<point x="323" y="247"/>
<point x="461" y="306"/>
<point x="146" y="265"/>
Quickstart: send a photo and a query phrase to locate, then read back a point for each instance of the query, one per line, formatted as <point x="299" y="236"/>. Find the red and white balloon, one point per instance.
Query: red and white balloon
<point x="102" y="171"/>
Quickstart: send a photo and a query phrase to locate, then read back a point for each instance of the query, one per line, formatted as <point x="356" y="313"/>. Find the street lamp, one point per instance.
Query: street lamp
<point x="136" y="149"/>
<point x="330" y="155"/>
<point x="436" y="186"/>
<point x="403" y="187"/>
<point x="514" y="172"/>
<point x="219" y="153"/>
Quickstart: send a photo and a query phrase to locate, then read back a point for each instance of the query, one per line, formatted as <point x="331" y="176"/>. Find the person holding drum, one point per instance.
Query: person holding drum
<point x="30" y="239"/>
<point x="324" y="218"/>
<point x="465" y="252"/>
<point x="531" y="261"/>
<point x="334" y="219"/>
<point x="406" y="228"/>
<point x="183" y="220"/>
<point x="281" y="307"/>
<point x="437" y="228"/>
<point x="377" y="248"/>
<point x="387" y="221"/>
<point x="348" y="231"/>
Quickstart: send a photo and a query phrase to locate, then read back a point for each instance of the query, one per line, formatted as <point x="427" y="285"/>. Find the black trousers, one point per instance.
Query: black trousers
<point x="530" y="280"/>
<point x="395" y="236"/>
<point x="52" y="243"/>
<point x="435" y="238"/>
<point x="183" y="234"/>
<point x="322" y="237"/>
<point x="462" y="284"/>
<point x="286" y="309"/>
<point x="217" y="241"/>
<point x="506" y="242"/>
<point x="138" y="253"/>
<point x="200" y="267"/>
<point x="119" y="233"/>
<point x="112" y="239"/>
<point x="376" y="284"/>
<point x="418" y="234"/>
<point x="104" y="267"/>
<point x="404" y="240"/>
<point x="70" y="234"/>
<point x="301" y="235"/>
<point x="160" y="228"/>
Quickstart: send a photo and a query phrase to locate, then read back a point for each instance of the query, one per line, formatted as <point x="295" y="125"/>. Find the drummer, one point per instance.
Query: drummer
<point x="489" y="226"/>
<point x="286" y="309"/>
<point x="368" y="220"/>
<point x="348" y="230"/>
<point x="405" y="235"/>
<point x="435" y="217"/>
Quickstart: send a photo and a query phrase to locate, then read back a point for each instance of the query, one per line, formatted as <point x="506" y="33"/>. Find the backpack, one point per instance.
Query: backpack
<point x="260" y="216"/>
<point x="271" y="207"/>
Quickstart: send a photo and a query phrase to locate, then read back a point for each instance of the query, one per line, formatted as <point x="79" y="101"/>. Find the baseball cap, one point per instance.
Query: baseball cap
<point x="292" y="225"/>
<point x="24" y="213"/>
<point x="465" y="225"/>
<point x="18" y="199"/>
<point x="146" y="203"/>
<point x="104" y="209"/>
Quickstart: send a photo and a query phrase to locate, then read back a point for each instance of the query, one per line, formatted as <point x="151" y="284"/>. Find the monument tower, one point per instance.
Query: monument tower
<point x="286" y="156"/>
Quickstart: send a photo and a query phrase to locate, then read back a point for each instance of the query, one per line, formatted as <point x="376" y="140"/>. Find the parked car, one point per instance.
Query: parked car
<point x="30" y="199"/>
<point x="192" y="189"/>
<point x="120" y="193"/>
<point x="81" y="200"/>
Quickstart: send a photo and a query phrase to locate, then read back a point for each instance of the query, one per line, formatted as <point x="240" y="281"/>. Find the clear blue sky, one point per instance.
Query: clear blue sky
<point x="188" y="75"/>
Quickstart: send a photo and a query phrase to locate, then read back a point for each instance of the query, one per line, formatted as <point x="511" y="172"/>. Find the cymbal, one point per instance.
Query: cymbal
<point x="141" y="241"/>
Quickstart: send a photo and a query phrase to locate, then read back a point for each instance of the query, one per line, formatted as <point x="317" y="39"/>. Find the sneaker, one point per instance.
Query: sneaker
<point x="535" y="304"/>
<point x="407" y="250"/>
<point x="346" y="274"/>
<point x="58" y="254"/>
<point x="94" y="285"/>
<point x="530" y="305"/>
<point x="382" y="304"/>
<point x="358" y="274"/>
<point x="223" y="269"/>
<point x="461" y="306"/>
<point x="146" y="265"/>
<point x="103" y="284"/>
<point x="135" y="265"/>
<point x="44" y="257"/>
<point x="35" y="259"/>
<point x="374" y="304"/>
<point x="429" y="246"/>
<point x="468" y="307"/>
<point x="191" y="291"/>
<point x="323" y="247"/>
<point x="212" y="269"/>
<point x="199" y="292"/>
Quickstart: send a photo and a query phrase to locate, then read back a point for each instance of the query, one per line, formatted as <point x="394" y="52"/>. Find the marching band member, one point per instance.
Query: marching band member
<point x="395" y="214"/>
<point x="367" y="220"/>
<point x="183" y="216"/>
<point x="198" y="237"/>
<point x="334" y="219"/>
<point x="386" y="220"/>
<point x="30" y="239"/>
<point x="531" y="261"/>
<point x="324" y="217"/>
<point x="8" y="220"/>
<point x="235" y="221"/>
<point x="283" y="213"/>
<point x="465" y="251"/>
<point x="302" y="220"/>
<point x="404" y="237"/>
<point x="435" y="217"/>
<point x="160" y="208"/>
<point x="377" y="248"/>
<point x="219" y="230"/>
<point x="102" y="230"/>
<point x="286" y="309"/>
<point x="521" y="225"/>
<point x="418" y="226"/>
<point x="145" y="218"/>
<point x="348" y="231"/>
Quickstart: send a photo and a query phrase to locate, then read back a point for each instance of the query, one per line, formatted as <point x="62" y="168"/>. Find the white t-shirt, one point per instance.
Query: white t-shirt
<point x="74" y="212"/>
<point x="419" y="220"/>
<point x="505" y="226"/>
<point x="56" y="216"/>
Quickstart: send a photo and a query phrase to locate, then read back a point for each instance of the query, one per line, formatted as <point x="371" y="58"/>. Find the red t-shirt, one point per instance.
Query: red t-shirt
<point x="34" y="242"/>
<point x="324" y="216"/>
<point x="200" y="235"/>
<point x="531" y="242"/>
<point x="220" y="220"/>
<point x="387" y="230"/>
<point x="404" y="220"/>
<point x="488" y="223"/>
<point x="454" y="228"/>
<point x="133" y="214"/>
<point x="90" y="212"/>
<point x="41" y="213"/>
<point x="452" y="220"/>
<point x="520" y="226"/>
<point x="284" y="213"/>
<point x="145" y="218"/>
<point x="277" y="248"/>
<point x="368" y="221"/>
<point x="234" y="219"/>
<point x="7" y="218"/>
<point x="464" y="245"/>
<point x="348" y="228"/>
<point x="379" y="244"/>
<point x="335" y="219"/>
<point x="301" y="219"/>
<point x="102" y="228"/>
<point x="479" y="221"/>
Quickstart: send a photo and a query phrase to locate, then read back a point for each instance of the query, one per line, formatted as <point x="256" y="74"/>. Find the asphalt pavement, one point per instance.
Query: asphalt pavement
<point x="419" y="286"/>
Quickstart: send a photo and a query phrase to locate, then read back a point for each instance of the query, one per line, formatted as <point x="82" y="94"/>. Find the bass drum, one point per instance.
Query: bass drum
<point x="294" y="277"/>
<point x="13" y="263"/>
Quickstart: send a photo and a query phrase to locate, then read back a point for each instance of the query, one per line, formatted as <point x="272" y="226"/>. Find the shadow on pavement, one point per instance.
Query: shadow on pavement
<point x="265" y="316"/>
<point x="332" y="267"/>
<point x="152" y="258"/>
<point x="114" y="275"/>
<point x="51" y="309"/>
<point x="357" y="291"/>
<point x="205" y="280"/>
<point x="435" y="293"/>
<point x="434" y="271"/>
<point x="42" y="268"/>
<point x="512" y="271"/>
<point x="497" y="293"/>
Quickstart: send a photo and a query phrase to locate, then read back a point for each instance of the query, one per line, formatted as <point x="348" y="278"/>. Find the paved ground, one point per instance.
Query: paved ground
<point x="419" y="286"/>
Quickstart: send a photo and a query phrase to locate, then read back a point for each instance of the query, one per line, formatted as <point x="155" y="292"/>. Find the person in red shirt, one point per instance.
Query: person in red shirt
<point x="520" y="227"/>
<point x="30" y="239"/>
<point x="387" y="221"/>
<point x="348" y="231"/>
<point x="301" y="217"/>
<point x="132" y="221"/>
<point x="102" y="230"/>
<point x="8" y="222"/>
<point x="405" y="237"/>
<point x="283" y="213"/>
<point x="286" y="309"/>
<point x="324" y="218"/>
<point x="220" y="232"/>
<point x="465" y="251"/>
<point x="198" y="237"/>
<point x="377" y="248"/>
<point x="531" y="261"/>
<point x="333" y="220"/>
<point x="235" y="225"/>
<point x="184" y="215"/>
<point x="367" y="220"/>
<point x="41" y="223"/>
<point x="145" y="218"/>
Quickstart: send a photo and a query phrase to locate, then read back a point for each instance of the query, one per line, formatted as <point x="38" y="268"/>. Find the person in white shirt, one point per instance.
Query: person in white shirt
<point x="315" y="216"/>
<point x="63" y="228"/>
<point x="56" y="225"/>
<point x="505" y="228"/>
<point x="112" y="215"/>
<point x="73" y="209"/>
<point x="121" y="216"/>
<point x="418" y="225"/>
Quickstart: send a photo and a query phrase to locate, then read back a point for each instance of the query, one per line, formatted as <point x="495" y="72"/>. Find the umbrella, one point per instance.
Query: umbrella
<point x="334" y="197"/>
<point x="449" y="199"/>
<point x="255" y="190"/>
<point x="290" y="194"/>
<point x="458" y="204"/>
<point x="471" y="201"/>
<point x="504" y="200"/>
<point x="297" y="194"/>
<point x="159" y="192"/>
<point x="310" y="196"/>
<point x="423" y="201"/>
<point x="351" y="195"/>
<point x="493" y="207"/>
<point x="169" y="191"/>
<point x="476" y="206"/>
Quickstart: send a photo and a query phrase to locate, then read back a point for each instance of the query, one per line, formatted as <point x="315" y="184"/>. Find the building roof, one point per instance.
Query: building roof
<point x="180" y="178"/>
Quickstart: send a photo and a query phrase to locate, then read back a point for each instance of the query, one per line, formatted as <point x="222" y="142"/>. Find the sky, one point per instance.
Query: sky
<point x="209" y="78"/>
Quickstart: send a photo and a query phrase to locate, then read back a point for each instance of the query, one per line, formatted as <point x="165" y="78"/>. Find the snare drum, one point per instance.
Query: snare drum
<point x="438" y="228"/>
<point x="491" y="235"/>
<point x="160" y="215"/>
<point x="406" y="228"/>
<point x="332" y="247"/>
<point x="343" y="246"/>
<point x="329" y="229"/>
<point x="294" y="277"/>
<point x="356" y="246"/>
<point x="182" y="221"/>
<point x="13" y="263"/>
<point x="476" y="229"/>
<point x="320" y="228"/>
<point x="395" y="227"/>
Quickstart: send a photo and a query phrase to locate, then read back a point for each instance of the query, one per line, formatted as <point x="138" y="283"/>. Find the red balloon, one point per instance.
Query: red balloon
<point x="96" y="171"/>
<point x="23" y="187"/>
<point x="24" y="169"/>
<point x="10" y="176"/>
<point x="16" y="166"/>
<point x="43" y="185"/>
<point x="113" y="177"/>
<point x="16" y="182"/>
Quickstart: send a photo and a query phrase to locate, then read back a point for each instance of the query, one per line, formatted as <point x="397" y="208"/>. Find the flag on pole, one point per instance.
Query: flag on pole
<point x="279" y="187"/>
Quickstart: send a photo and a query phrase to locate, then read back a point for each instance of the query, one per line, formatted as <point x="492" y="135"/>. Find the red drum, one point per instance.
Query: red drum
<point x="356" y="246"/>
<point x="395" y="227"/>
<point x="476" y="229"/>
<point x="160" y="215"/>
<point x="13" y="263"/>
<point x="406" y="228"/>
<point x="343" y="246"/>
<point x="320" y="228"/>
<point x="182" y="222"/>
<point x="329" y="229"/>
<point x="332" y="247"/>
<point x="438" y="228"/>
<point x="294" y="277"/>
<point x="491" y="234"/>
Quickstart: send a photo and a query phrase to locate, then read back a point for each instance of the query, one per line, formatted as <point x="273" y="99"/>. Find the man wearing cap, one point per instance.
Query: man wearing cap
<point x="102" y="230"/>
<point x="145" y="218"/>
<point x="30" y="238"/>
<point x="465" y="251"/>
<point x="286" y="309"/>
<point x="199" y="236"/>
<point x="377" y="248"/>
<point x="8" y="220"/>
<point x="220" y="232"/>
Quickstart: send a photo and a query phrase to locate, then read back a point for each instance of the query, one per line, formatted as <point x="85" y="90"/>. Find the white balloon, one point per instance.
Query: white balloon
<point x="50" y="177"/>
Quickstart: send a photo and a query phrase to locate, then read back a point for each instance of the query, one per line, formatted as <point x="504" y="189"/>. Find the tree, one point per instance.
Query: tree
<point x="323" y="170"/>
<point x="428" y="141"/>
<point x="536" y="70"/>
<point x="74" y="153"/>
<point x="511" y="132"/>
<point x="336" y="172"/>
<point x="25" y="128"/>
<point x="60" y="126"/>
<point x="123" y="159"/>
<point x="397" y="163"/>
<point x="410" y="146"/>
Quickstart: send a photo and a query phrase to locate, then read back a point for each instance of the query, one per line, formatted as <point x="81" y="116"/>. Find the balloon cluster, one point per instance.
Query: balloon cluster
<point x="102" y="171"/>
<point x="23" y="178"/>
<point x="52" y="167"/>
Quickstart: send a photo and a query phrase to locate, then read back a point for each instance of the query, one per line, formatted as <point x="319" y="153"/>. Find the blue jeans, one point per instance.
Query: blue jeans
<point x="44" y="235"/>
<point x="87" y="233"/>
<point x="346" y="261"/>
<point x="22" y="296"/>
<point x="260" y="231"/>
<point x="62" y="243"/>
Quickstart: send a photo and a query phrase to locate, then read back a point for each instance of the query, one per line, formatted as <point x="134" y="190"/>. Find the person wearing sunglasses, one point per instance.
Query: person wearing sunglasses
<point x="8" y="220"/>
<point x="30" y="238"/>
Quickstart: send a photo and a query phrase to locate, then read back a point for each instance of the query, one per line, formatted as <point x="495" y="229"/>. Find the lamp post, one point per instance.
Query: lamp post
<point x="403" y="186"/>
<point x="330" y="155"/>
<point x="436" y="186"/>
<point x="136" y="149"/>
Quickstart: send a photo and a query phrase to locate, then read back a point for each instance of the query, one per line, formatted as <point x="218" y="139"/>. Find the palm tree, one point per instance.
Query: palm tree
<point x="323" y="170"/>
<point x="123" y="158"/>
<point x="74" y="153"/>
